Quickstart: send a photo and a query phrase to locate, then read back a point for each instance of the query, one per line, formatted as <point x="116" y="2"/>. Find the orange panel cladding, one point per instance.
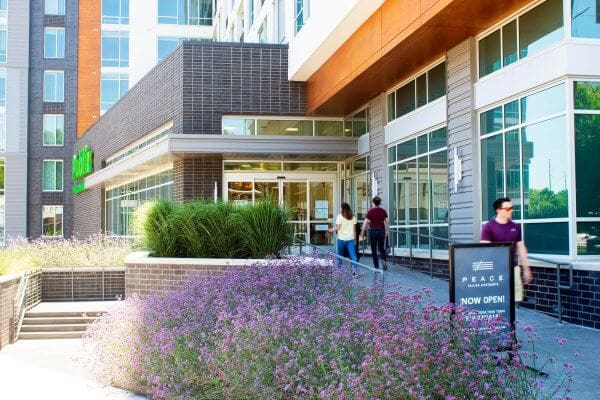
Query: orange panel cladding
<point x="401" y="37"/>
<point x="88" y="66"/>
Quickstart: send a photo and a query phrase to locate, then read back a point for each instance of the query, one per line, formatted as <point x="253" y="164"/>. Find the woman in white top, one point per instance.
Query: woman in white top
<point x="345" y="226"/>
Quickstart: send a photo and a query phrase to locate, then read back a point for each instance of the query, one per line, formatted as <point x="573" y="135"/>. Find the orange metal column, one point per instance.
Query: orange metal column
<point x="88" y="65"/>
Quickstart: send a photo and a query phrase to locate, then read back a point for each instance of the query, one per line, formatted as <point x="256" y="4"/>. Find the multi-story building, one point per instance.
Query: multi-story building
<point x="14" y="77"/>
<point x="437" y="106"/>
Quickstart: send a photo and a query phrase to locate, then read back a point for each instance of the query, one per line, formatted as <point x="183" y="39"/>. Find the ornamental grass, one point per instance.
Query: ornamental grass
<point x="301" y="329"/>
<point x="214" y="230"/>
<point x="96" y="251"/>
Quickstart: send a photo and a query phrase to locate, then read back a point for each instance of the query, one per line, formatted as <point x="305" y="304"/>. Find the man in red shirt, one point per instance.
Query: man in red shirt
<point x="379" y="223"/>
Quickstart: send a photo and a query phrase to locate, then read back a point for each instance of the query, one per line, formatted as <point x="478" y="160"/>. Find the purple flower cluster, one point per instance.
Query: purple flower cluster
<point x="301" y="329"/>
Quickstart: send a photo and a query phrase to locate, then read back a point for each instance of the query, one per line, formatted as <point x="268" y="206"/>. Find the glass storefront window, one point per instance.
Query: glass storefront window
<point x="238" y="126"/>
<point x="490" y="121"/>
<point x="285" y="127"/>
<point x="588" y="238"/>
<point x="421" y="90"/>
<point x="318" y="167"/>
<point x="406" y="149"/>
<point x="489" y="54"/>
<point x="545" y="169"/>
<point x="587" y="95"/>
<point x="438" y="175"/>
<point x="52" y="221"/>
<point x="587" y="175"/>
<point x="329" y="128"/>
<point x="512" y="151"/>
<point x="492" y="173"/>
<point x="536" y="30"/>
<point x="438" y="139"/>
<point x="251" y="166"/>
<point x="540" y="27"/>
<point x="547" y="102"/>
<point x="547" y="238"/>
<point x="585" y="20"/>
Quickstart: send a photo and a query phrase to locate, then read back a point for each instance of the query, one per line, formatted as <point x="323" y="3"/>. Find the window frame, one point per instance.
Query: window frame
<point x="119" y="35"/>
<point x="58" y="8"/>
<point x="55" y="37"/>
<point x="55" y="162"/>
<point x="569" y="115"/>
<point x="55" y="73"/>
<point x="62" y="220"/>
<point x="406" y="81"/>
<point x="515" y="17"/>
<point x="55" y="116"/>
<point x="4" y="54"/>
<point x="119" y="80"/>
<point x="120" y="19"/>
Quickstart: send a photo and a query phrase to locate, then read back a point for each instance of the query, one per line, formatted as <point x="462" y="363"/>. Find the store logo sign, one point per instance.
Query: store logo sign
<point x="83" y="165"/>
<point x="483" y="266"/>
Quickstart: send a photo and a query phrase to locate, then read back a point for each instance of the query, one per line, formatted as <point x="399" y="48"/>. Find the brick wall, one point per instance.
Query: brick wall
<point x="194" y="177"/>
<point x="8" y="290"/>
<point x="84" y="283"/>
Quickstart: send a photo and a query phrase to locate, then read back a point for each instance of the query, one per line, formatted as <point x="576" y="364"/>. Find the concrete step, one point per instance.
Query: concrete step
<point x="57" y="320"/>
<point x="55" y="328"/>
<point x="50" y="335"/>
<point x="58" y="314"/>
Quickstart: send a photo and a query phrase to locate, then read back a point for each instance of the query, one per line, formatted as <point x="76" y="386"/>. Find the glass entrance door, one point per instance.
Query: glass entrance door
<point x="310" y="199"/>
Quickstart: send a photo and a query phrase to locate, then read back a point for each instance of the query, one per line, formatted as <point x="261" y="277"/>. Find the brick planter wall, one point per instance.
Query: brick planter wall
<point x="146" y="275"/>
<point x="9" y="285"/>
<point x="83" y="283"/>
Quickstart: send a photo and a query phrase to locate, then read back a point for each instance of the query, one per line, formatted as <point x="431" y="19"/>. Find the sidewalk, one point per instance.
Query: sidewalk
<point x="586" y="341"/>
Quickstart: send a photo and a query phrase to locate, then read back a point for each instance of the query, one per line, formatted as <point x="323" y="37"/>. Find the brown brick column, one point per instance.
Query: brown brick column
<point x="194" y="177"/>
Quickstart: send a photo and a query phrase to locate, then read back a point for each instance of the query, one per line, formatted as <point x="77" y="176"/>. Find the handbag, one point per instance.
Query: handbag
<point x="519" y="292"/>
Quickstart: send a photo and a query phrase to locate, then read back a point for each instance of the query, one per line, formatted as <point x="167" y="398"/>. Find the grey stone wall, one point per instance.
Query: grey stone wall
<point x="37" y="107"/>
<point x="194" y="177"/>
<point x="377" y="148"/>
<point x="462" y="135"/>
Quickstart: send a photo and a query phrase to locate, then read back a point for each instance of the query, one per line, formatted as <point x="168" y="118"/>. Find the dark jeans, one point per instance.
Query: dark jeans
<point x="377" y="238"/>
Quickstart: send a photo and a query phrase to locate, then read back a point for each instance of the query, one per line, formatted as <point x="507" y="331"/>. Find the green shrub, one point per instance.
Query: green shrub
<point x="215" y="230"/>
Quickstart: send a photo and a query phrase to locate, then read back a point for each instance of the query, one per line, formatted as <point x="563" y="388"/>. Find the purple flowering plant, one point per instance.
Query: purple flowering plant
<point x="301" y="328"/>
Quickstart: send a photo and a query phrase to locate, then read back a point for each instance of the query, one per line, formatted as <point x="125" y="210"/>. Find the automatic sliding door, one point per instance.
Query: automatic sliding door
<point x="321" y="212"/>
<point x="295" y="198"/>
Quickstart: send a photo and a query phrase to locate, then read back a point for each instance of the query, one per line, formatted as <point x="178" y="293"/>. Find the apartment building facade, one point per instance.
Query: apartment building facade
<point x="14" y="78"/>
<point x="445" y="106"/>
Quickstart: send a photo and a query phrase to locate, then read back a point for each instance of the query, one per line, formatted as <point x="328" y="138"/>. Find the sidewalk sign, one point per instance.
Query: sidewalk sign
<point x="482" y="279"/>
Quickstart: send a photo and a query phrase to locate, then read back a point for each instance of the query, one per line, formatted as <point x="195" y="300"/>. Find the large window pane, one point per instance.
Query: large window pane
<point x="406" y="149"/>
<point x="549" y="238"/>
<point x="512" y="149"/>
<point x="393" y="195"/>
<point x="112" y="88"/>
<point x="587" y="150"/>
<point x="329" y="128"/>
<point x="587" y="95"/>
<point x="238" y="126"/>
<point x="438" y="139"/>
<point x="391" y="106"/>
<point x="115" y="49"/>
<point x="53" y="130"/>
<point x="438" y="171"/>
<point x="360" y="123"/>
<point x="511" y="114"/>
<point x="540" y="104"/>
<point x="509" y="43"/>
<point x="492" y="173"/>
<point x="585" y="20"/>
<point x="3" y="44"/>
<point x="422" y="144"/>
<point x="285" y="127"/>
<point x="437" y="81"/>
<point x="407" y="192"/>
<point x="588" y="238"/>
<point x="54" y="89"/>
<point x="52" y="175"/>
<point x="115" y="12"/>
<point x="51" y="7"/>
<point x="168" y="11"/>
<point x="52" y="221"/>
<point x="540" y="27"/>
<point x="423" y="187"/>
<point x="545" y="169"/>
<point x="405" y="99"/>
<point x="491" y="121"/>
<point x="422" y="90"/>
<point x="489" y="54"/>
<point x="54" y="43"/>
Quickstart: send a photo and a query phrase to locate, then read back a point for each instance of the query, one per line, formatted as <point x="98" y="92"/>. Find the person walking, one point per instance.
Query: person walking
<point x="501" y="228"/>
<point x="345" y="227"/>
<point x="378" y="222"/>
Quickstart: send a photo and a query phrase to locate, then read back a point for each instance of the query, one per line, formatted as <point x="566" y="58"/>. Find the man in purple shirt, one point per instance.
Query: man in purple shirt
<point x="502" y="229"/>
<point x="378" y="222"/>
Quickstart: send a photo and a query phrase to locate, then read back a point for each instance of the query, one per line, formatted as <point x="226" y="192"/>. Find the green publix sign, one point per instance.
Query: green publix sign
<point x="83" y="165"/>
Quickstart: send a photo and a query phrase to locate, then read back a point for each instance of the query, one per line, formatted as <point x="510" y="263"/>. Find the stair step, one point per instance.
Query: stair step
<point x="55" y="328"/>
<point x="60" y="314"/>
<point x="50" y="335"/>
<point x="58" y="320"/>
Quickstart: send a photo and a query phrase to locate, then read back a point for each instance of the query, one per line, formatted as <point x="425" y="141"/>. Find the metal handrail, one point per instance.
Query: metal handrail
<point x="302" y="243"/>
<point x="559" y="286"/>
